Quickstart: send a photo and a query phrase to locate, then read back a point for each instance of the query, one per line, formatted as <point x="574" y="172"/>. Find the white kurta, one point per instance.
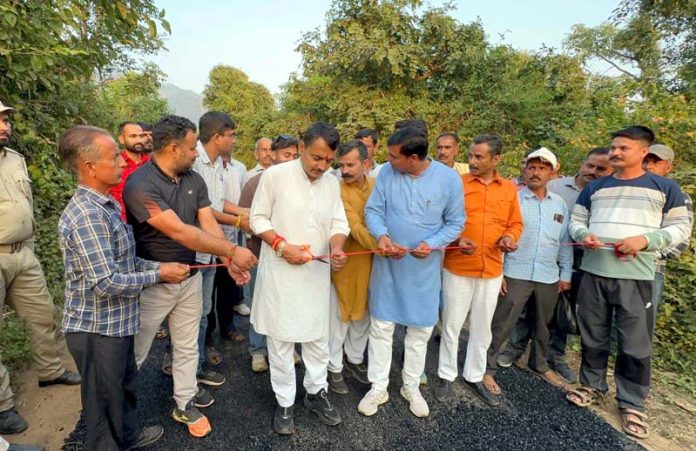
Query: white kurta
<point x="291" y="302"/>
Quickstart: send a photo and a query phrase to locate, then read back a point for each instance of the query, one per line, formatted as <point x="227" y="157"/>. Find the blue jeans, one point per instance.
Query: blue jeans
<point x="208" y="280"/>
<point x="257" y="342"/>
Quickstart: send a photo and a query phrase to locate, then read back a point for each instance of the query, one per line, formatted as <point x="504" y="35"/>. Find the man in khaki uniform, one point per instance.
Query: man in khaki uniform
<point x="22" y="283"/>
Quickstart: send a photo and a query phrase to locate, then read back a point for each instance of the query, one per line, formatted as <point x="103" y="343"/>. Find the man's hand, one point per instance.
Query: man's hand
<point x="422" y="251"/>
<point x="338" y="259"/>
<point x="239" y="276"/>
<point x="173" y="272"/>
<point x="592" y="242"/>
<point x="244" y="226"/>
<point x="390" y="249"/>
<point x="296" y="255"/>
<point x="503" y="287"/>
<point x="506" y="244"/>
<point x="244" y="258"/>
<point x="631" y="245"/>
<point x="468" y="246"/>
<point x="563" y="286"/>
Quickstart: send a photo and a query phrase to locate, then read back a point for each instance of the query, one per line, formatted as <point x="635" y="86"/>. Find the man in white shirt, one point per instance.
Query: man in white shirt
<point x="297" y="212"/>
<point x="262" y="153"/>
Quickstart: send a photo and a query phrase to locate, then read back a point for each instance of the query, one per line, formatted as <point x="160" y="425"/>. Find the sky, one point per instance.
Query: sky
<point x="260" y="36"/>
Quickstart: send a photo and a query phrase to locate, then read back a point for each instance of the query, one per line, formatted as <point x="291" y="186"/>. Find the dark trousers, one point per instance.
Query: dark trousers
<point x="627" y="304"/>
<point x="109" y="379"/>
<point x="508" y="311"/>
<point x="226" y="295"/>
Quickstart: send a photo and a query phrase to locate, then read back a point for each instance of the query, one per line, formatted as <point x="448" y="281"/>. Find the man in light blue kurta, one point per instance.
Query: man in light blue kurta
<point x="417" y="204"/>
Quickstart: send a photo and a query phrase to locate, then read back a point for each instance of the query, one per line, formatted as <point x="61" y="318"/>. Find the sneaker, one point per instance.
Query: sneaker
<point x="147" y="436"/>
<point x="423" y="379"/>
<point x="198" y="424"/>
<point x="319" y="403"/>
<point x="358" y="371"/>
<point x="443" y="390"/>
<point x="67" y="378"/>
<point x="564" y="371"/>
<point x="258" y="363"/>
<point x="337" y="384"/>
<point x="242" y="309"/>
<point x="11" y="422"/>
<point x="210" y="377"/>
<point x="203" y="398"/>
<point x="371" y="401"/>
<point x="283" y="422"/>
<point x="416" y="402"/>
<point x="505" y="359"/>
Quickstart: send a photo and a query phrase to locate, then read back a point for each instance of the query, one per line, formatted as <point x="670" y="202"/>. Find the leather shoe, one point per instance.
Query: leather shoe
<point x="283" y="422"/>
<point x="11" y="422"/>
<point x="482" y="392"/>
<point x="67" y="378"/>
<point x="147" y="436"/>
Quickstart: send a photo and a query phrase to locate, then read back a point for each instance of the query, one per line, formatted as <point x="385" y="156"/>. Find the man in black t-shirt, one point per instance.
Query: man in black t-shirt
<point x="168" y="207"/>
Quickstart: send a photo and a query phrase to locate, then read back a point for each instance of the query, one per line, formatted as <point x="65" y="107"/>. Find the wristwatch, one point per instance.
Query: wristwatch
<point x="279" y="249"/>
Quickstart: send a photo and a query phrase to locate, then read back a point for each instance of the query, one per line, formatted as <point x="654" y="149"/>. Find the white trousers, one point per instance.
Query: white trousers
<point x="350" y="336"/>
<point x="380" y="354"/>
<point x="460" y="295"/>
<point x="315" y="355"/>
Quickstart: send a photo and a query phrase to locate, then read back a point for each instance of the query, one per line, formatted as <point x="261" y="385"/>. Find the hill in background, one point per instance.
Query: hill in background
<point x="183" y="102"/>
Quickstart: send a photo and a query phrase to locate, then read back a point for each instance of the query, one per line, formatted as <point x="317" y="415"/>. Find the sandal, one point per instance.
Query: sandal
<point x="212" y="356"/>
<point x="235" y="337"/>
<point x="491" y="385"/>
<point x="585" y="396"/>
<point x="636" y="419"/>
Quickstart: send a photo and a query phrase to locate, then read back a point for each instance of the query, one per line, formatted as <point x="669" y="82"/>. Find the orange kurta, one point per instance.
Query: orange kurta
<point x="492" y="211"/>
<point x="352" y="280"/>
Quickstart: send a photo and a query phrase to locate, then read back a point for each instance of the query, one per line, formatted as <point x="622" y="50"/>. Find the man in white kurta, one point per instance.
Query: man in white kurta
<point x="297" y="212"/>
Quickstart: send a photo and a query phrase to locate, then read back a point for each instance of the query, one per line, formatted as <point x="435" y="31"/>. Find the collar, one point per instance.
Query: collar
<point x="527" y="193"/>
<point x="95" y="195"/>
<point x="470" y="178"/>
<point x="205" y="159"/>
<point x="131" y="162"/>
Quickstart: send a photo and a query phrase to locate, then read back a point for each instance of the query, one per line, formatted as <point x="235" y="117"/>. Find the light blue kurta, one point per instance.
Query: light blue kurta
<point x="428" y="208"/>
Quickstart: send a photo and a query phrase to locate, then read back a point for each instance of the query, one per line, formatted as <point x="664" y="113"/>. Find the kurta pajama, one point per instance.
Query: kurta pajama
<point x="291" y="302"/>
<point x="428" y="208"/>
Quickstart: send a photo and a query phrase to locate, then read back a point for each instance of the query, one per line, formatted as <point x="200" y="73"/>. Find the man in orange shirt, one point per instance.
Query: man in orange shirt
<point x="471" y="278"/>
<point x="133" y="140"/>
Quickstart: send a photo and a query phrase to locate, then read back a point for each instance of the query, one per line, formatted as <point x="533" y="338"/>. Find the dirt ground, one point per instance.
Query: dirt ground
<point x="53" y="412"/>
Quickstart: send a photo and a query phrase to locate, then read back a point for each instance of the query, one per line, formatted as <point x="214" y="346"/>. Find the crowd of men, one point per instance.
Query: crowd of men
<point x="168" y="229"/>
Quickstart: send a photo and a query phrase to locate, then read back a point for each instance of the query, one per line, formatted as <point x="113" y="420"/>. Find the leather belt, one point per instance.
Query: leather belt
<point x="11" y="248"/>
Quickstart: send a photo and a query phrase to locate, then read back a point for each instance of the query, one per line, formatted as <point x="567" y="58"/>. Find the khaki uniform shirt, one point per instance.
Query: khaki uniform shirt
<point x="17" y="223"/>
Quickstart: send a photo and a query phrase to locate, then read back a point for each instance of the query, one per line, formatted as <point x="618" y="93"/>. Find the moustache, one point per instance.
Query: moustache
<point x="535" y="178"/>
<point x="346" y="176"/>
<point x="615" y="159"/>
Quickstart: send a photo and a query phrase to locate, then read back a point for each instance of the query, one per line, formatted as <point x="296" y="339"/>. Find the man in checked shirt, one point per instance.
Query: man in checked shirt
<point x="103" y="281"/>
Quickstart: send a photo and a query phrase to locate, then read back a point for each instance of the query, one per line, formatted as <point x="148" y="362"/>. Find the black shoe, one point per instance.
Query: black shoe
<point x="210" y="377"/>
<point x="147" y="436"/>
<point x="482" y="392"/>
<point x="67" y="378"/>
<point x="203" y="398"/>
<point x="319" y="403"/>
<point x="443" y="390"/>
<point x="283" y="422"/>
<point x="11" y="422"/>
<point x="358" y="371"/>
<point x="564" y="371"/>
<point x="337" y="384"/>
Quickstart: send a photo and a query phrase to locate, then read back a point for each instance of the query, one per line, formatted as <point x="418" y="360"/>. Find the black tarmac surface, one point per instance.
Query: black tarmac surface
<point x="535" y="416"/>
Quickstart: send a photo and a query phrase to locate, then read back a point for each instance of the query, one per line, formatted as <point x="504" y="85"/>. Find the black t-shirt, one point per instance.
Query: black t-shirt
<point x="148" y="192"/>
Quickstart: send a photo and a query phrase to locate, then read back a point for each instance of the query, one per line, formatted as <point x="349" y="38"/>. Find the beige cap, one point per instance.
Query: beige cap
<point x="662" y="152"/>
<point x="543" y="154"/>
<point x="7" y="109"/>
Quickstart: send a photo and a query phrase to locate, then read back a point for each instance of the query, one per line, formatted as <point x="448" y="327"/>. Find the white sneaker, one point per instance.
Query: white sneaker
<point x="416" y="403"/>
<point x="242" y="309"/>
<point x="258" y="363"/>
<point x="371" y="401"/>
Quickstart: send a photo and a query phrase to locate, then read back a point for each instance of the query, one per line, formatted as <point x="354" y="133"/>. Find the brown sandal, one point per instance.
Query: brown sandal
<point x="212" y="356"/>
<point x="235" y="337"/>
<point x="491" y="385"/>
<point x="585" y="396"/>
<point x="637" y="419"/>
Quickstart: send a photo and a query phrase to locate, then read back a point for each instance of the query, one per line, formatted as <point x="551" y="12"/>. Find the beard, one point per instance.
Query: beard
<point x="4" y="141"/>
<point x="135" y="148"/>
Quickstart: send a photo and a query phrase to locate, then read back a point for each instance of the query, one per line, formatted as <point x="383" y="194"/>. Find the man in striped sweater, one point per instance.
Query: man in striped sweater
<point x="624" y="220"/>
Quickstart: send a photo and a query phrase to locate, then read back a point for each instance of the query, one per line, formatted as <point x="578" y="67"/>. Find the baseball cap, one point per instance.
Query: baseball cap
<point x="543" y="154"/>
<point x="6" y="109"/>
<point x="662" y="152"/>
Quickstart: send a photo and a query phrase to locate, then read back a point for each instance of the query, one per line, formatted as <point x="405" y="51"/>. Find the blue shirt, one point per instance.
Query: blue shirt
<point x="428" y="208"/>
<point x="103" y="277"/>
<point x="540" y="256"/>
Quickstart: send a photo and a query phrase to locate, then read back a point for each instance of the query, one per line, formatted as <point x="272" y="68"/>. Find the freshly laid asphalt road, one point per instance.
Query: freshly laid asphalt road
<point x="535" y="416"/>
